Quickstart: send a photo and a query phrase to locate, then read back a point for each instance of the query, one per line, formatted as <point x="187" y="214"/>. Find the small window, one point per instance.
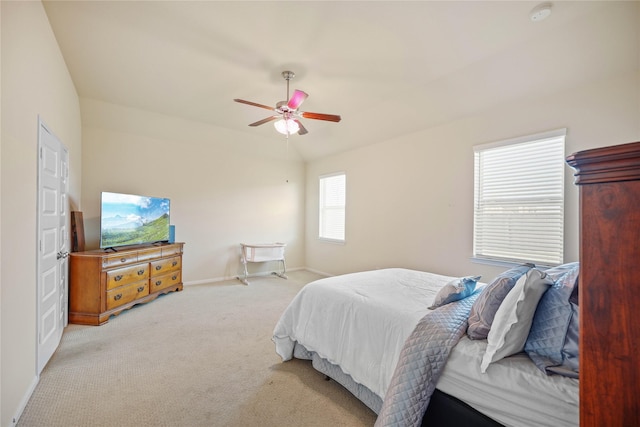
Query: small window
<point x="519" y="200"/>
<point x="332" y="206"/>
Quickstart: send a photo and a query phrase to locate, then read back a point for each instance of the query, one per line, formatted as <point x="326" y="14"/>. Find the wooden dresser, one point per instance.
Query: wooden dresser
<point x="102" y="284"/>
<point x="609" y="287"/>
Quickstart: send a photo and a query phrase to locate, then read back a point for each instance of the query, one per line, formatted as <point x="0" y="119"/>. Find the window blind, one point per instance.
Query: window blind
<point x="519" y="200"/>
<point x="332" y="207"/>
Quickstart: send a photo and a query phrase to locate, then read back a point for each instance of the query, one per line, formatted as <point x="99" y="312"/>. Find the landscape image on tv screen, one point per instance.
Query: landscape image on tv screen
<point x="128" y="219"/>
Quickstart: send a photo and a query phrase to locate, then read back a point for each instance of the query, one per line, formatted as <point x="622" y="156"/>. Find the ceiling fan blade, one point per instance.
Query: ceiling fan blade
<point x="303" y="130"/>
<point x="320" y="116"/>
<point x="266" y="107"/>
<point x="297" y="99"/>
<point x="263" y="121"/>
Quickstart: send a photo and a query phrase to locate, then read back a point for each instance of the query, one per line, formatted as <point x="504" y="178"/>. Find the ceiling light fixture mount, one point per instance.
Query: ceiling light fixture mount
<point x="540" y="12"/>
<point x="286" y="125"/>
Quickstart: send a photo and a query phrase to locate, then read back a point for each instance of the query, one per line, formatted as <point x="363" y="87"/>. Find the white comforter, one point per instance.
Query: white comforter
<point x="359" y="321"/>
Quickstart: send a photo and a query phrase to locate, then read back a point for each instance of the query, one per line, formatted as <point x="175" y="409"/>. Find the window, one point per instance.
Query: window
<point x="519" y="199"/>
<point x="332" y="204"/>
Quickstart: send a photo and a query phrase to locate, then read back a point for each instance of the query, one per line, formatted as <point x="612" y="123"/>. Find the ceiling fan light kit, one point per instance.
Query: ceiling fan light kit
<point x="287" y="127"/>
<point x="287" y="114"/>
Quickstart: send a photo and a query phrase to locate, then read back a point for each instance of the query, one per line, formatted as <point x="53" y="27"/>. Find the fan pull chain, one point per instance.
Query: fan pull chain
<point x="287" y="155"/>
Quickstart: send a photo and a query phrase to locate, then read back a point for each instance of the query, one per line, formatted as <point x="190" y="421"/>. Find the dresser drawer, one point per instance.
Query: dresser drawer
<point x="147" y="254"/>
<point x="119" y="259"/>
<point x="164" y="266"/>
<point x="124" y="294"/>
<point x="165" y="281"/>
<point x="126" y="275"/>
<point x="172" y="250"/>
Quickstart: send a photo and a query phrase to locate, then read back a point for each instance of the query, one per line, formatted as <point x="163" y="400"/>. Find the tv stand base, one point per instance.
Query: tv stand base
<point x="104" y="284"/>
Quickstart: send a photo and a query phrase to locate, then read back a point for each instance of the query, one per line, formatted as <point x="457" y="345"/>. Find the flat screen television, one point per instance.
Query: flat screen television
<point x="128" y="219"/>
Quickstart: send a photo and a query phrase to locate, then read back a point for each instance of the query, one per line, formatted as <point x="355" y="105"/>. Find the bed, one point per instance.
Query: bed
<point x="415" y="348"/>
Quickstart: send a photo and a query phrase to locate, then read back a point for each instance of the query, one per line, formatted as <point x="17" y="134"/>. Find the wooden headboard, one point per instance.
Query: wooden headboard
<point x="609" y="297"/>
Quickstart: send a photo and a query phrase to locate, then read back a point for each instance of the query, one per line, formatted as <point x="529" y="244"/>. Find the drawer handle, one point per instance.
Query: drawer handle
<point x="174" y="263"/>
<point x="159" y="282"/>
<point x="123" y="260"/>
<point x="140" y="272"/>
<point x="158" y="267"/>
<point x="117" y="297"/>
<point x="118" y="278"/>
<point x="141" y="288"/>
<point x="174" y="277"/>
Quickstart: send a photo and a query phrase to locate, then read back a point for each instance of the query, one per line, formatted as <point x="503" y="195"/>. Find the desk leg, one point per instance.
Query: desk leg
<point x="244" y="279"/>
<point x="282" y="274"/>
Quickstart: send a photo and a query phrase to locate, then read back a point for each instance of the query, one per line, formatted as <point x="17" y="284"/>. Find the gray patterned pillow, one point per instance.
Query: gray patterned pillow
<point x="485" y="307"/>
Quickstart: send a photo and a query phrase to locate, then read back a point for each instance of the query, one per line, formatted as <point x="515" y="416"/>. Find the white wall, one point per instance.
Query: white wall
<point x="410" y="199"/>
<point x="35" y="81"/>
<point x="225" y="187"/>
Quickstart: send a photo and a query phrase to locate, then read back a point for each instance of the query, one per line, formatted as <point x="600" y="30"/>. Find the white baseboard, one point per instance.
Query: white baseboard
<point x="322" y="273"/>
<point x="25" y="400"/>
<point x="223" y="279"/>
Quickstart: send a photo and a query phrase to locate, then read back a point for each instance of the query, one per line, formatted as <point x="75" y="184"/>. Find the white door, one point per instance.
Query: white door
<point x="53" y="243"/>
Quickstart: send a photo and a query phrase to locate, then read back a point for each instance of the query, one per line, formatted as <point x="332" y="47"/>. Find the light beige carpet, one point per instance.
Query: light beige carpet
<point x="200" y="357"/>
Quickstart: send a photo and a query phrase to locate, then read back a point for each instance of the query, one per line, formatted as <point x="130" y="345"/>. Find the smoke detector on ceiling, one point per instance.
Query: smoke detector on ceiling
<point x="540" y="12"/>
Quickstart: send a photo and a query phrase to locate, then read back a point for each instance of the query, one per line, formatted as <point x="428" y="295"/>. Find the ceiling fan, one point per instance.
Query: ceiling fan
<point x="287" y="111"/>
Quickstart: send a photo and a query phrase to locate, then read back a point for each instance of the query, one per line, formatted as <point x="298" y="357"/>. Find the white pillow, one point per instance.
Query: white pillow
<point x="514" y="317"/>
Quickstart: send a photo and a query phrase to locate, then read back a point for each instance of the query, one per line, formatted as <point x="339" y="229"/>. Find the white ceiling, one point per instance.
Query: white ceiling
<point x="387" y="67"/>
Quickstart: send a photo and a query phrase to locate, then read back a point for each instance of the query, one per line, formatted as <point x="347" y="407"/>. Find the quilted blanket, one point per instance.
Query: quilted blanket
<point x="359" y="321"/>
<point x="421" y="362"/>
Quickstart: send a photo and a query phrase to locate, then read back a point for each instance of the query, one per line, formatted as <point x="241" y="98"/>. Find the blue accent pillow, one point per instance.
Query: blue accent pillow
<point x="455" y="290"/>
<point x="485" y="307"/>
<point x="552" y="343"/>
